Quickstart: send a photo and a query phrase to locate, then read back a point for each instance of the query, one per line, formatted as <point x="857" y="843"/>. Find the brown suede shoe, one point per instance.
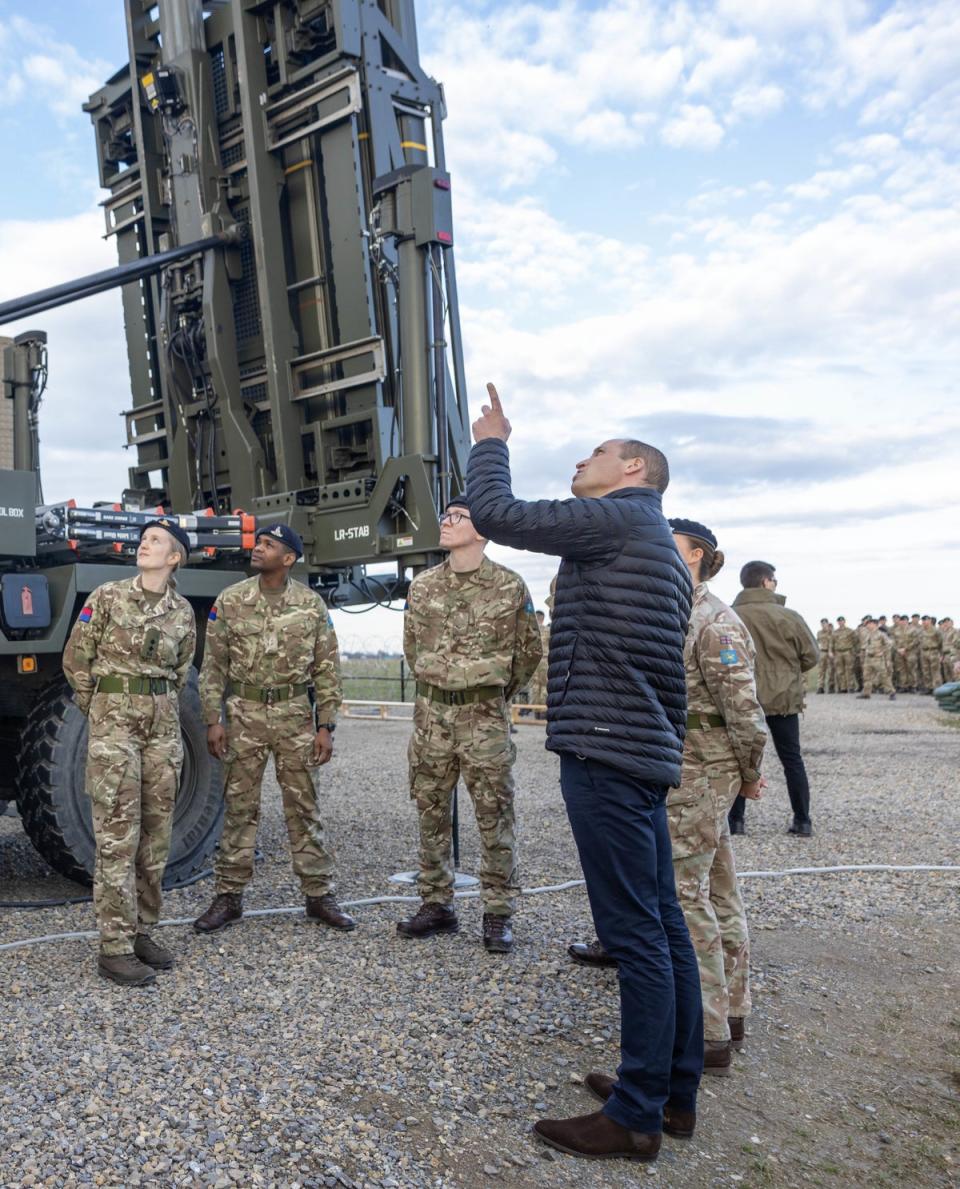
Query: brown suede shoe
<point x="598" y="1137"/>
<point x="125" y="969"/>
<point x="326" y="909"/>
<point x="151" y="953"/>
<point x="226" y="909"/>
<point x="430" y="918"/>
<point x="737" y="1032"/>
<point x="592" y="954"/>
<point x="497" y="934"/>
<point x="679" y="1124"/>
<point x="716" y="1058"/>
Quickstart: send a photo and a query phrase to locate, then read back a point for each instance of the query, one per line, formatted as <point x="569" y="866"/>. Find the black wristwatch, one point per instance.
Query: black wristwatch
<point x="327" y="726"/>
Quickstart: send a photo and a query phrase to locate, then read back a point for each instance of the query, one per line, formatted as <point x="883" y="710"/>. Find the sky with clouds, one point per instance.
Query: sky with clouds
<point x="730" y="229"/>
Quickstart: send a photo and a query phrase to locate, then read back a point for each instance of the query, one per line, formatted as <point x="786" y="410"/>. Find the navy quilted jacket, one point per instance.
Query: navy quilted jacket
<point x="615" y="688"/>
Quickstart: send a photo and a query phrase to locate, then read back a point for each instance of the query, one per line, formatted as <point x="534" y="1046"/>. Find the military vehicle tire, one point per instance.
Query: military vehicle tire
<point x="55" y="809"/>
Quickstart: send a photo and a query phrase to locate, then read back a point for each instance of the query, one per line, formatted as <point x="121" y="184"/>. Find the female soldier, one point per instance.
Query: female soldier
<point x="724" y="745"/>
<point x="127" y="658"/>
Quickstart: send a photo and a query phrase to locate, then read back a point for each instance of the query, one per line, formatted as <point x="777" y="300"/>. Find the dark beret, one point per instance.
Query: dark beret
<point x="169" y="525"/>
<point x="285" y="534"/>
<point x="691" y="528"/>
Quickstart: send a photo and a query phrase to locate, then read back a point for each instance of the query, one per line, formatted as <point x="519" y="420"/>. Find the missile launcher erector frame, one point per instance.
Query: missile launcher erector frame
<point x="278" y="194"/>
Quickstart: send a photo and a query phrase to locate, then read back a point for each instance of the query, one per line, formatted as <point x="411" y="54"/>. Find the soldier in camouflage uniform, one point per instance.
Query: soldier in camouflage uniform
<point x="271" y="648"/>
<point x="826" y="674"/>
<point x="538" y="682"/>
<point x="471" y="639"/>
<point x="876" y="662"/>
<point x="127" y="659"/>
<point x="904" y="666"/>
<point x="951" y="645"/>
<point x="722" y="755"/>
<point x="931" y="655"/>
<point x="845" y="647"/>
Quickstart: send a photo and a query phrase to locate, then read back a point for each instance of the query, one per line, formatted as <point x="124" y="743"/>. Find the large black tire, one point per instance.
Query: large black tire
<point x="55" y="808"/>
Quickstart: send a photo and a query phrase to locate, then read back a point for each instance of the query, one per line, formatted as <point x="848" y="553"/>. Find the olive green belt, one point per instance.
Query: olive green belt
<point x="256" y="693"/>
<point x="458" y="697"/>
<point x="697" y="722"/>
<point x="133" y="685"/>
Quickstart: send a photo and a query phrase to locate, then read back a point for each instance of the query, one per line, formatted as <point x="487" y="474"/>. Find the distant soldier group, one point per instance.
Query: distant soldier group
<point x="911" y="654"/>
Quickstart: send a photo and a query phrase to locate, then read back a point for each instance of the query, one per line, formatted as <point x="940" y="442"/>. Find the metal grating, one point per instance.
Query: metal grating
<point x="246" y="299"/>
<point x="218" y="68"/>
<point x="232" y="155"/>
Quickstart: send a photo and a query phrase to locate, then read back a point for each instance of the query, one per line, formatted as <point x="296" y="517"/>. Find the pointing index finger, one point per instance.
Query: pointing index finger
<point x="494" y="398"/>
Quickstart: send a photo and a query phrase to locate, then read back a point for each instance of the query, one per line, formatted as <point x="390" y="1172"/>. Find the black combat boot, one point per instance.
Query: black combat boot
<point x="590" y="954"/>
<point x="226" y="909"/>
<point x="326" y="909"/>
<point x="430" y="918"/>
<point x="151" y="953"/>
<point x="125" y="969"/>
<point x="497" y="934"/>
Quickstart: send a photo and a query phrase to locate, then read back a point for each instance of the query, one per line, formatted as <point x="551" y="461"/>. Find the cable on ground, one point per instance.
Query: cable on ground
<point x="295" y="909"/>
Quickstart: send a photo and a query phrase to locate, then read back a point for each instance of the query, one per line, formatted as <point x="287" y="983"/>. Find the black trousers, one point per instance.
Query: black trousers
<point x="620" y="827"/>
<point x="785" y="732"/>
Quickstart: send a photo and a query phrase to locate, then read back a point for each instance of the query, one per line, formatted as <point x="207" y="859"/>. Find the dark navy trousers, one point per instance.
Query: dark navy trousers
<point x="620" y="827"/>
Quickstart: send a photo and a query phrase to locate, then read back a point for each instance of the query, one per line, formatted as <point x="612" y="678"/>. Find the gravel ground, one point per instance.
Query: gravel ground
<point x="278" y="1053"/>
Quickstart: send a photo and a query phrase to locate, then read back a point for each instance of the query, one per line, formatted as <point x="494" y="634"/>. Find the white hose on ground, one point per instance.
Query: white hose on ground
<point x="295" y="909"/>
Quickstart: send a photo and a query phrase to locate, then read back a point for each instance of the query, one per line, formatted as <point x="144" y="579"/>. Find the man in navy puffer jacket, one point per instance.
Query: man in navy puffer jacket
<point x="616" y="713"/>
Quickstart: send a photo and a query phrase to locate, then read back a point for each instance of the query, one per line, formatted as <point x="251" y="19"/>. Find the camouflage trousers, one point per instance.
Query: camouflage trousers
<point x="254" y="732"/>
<point x="845" y="671"/>
<point x="473" y="742"/>
<point x="134" y="756"/>
<point x="709" y="894"/>
<point x="826" y="673"/>
<point x="876" y="675"/>
<point x="930" y="664"/>
<point x="905" y="673"/>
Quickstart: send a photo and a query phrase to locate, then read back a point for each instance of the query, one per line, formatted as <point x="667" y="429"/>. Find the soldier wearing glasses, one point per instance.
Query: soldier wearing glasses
<point x="471" y="640"/>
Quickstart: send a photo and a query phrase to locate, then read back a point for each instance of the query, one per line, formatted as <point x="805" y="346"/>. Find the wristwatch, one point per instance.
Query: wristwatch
<point x="327" y="726"/>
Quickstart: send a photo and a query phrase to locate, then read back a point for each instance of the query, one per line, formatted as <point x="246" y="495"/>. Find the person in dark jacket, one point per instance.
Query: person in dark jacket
<point x="786" y="649"/>
<point x="616" y="714"/>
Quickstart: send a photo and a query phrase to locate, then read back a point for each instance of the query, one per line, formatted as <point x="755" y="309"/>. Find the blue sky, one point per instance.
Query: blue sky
<point x="730" y="228"/>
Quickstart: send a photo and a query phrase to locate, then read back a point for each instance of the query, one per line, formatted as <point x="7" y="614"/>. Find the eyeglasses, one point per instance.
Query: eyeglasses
<point x="454" y="517"/>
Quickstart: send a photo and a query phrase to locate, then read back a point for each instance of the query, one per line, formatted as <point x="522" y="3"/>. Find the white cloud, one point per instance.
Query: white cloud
<point x="81" y="431"/>
<point x="693" y="127"/>
<point x="755" y="101"/>
<point x="61" y="82"/>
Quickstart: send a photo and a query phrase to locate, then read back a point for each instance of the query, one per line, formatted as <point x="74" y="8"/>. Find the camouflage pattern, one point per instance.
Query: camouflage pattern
<point x="271" y="642"/>
<point x="473" y="742"/>
<point x="462" y="631"/>
<point x="950" y="637"/>
<point x="931" y="650"/>
<point x="538" y="682"/>
<point x="719" y="659"/>
<point x="876" y="663"/>
<point x="826" y="675"/>
<point x="905" y="670"/>
<point x="845" y="649"/>
<point x="134" y="751"/>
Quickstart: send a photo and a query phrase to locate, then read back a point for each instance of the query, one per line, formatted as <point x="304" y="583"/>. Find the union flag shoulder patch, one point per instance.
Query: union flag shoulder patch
<point x="213" y="614"/>
<point x="86" y="615"/>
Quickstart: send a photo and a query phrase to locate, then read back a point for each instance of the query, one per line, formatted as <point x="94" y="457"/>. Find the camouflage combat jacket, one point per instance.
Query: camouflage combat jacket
<point x="845" y="640"/>
<point x="719" y="656"/>
<point x="902" y="637"/>
<point x="825" y="641"/>
<point x="257" y="641"/>
<point x="930" y="640"/>
<point x="119" y="632"/>
<point x="875" y="646"/>
<point x="465" y="630"/>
